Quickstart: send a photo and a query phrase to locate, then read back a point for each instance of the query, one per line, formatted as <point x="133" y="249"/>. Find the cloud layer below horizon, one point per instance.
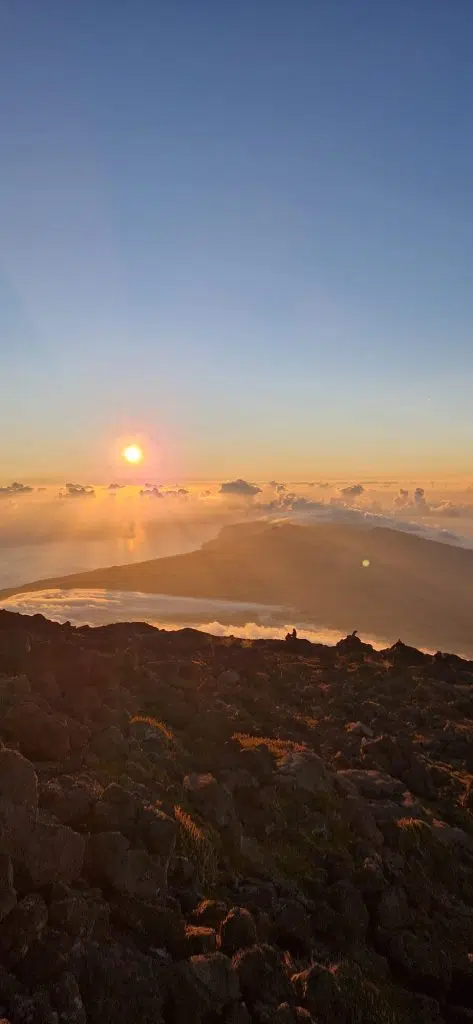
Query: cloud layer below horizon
<point x="221" y="618"/>
<point x="47" y="531"/>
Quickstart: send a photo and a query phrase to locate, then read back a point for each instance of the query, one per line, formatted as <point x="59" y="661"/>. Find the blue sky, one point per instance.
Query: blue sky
<point x="242" y="230"/>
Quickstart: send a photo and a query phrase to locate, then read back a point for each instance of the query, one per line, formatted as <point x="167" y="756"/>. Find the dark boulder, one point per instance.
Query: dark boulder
<point x="7" y="890"/>
<point x="237" y="931"/>
<point x="47" y="852"/>
<point x="81" y="915"/>
<point x="119" y="984"/>
<point x="211" y="800"/>
<point x="18" y="781"/>
<point x="41" y="734"/>
<point x="203" y="988"/>
<point x="22" y="927"/>
<point x="111" y="859"/>
<point x="291" y="927"/>
<point x="156" y="924"/>
<point x="262" y="978"/>
<point x="70" y="798"/>
<point x="67" y="1000"/>
<point x="110" y="744"/>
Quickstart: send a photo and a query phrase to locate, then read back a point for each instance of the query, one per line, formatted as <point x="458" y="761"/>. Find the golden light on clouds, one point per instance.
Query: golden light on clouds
<point x="133" y="454"/>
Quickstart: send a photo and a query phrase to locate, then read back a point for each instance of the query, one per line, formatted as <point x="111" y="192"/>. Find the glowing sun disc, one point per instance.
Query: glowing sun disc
<point x="133" y="453"/>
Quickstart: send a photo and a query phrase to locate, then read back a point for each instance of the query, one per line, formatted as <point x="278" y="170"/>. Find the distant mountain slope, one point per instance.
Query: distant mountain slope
<point x="418" y="589"/>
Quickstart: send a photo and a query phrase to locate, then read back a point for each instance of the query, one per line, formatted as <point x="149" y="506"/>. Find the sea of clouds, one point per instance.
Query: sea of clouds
<point x="96" y="607"/>
<point x="56" y="530"/>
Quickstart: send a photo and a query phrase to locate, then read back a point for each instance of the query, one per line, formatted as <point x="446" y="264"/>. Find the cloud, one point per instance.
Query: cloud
<point x="115" y="487"/>
<point x="218" y="617"/>
<point x="150" y="491"/>
<point x="352" y="491"/>
<point x="240" y="487"/>
<point x="366" y="517"/>
<point x="42" y="534"/>
<point x="305" y="511"/>
<point x="291" y="502"/>
<point x="451" y="511"/>
<point x="418" y="501"/>
<point x="14" y="489"/>
<point x="419" y="497"/>
<point x="78" y="491"/>
<point x="402" y="499"/>
<point x="279" y="488"/>
<point x="98" y="606"/>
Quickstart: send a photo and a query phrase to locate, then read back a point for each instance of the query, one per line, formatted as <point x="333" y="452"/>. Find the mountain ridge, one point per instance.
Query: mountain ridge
<point x="384" y="582"/>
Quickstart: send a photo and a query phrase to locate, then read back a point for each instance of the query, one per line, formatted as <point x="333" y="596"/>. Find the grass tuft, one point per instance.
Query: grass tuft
<point x="276" y="746"/>
<point x="155" y="723"/>
<point x="200" y="845"/>
<point x="365" y="1000"/>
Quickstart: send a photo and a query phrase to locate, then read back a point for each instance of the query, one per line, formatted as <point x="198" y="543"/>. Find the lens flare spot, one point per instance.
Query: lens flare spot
<point x="366" y="563"/>
<point x="133" y="453"/>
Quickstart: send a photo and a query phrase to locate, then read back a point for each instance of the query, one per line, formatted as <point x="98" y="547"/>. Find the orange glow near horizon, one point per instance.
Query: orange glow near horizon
<point x="133" y="454"/>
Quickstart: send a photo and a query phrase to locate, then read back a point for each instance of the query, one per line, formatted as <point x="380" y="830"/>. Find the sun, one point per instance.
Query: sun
<point x="133" y="453"/>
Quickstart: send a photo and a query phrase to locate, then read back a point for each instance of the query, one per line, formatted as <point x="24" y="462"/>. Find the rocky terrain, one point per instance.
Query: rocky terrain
<point x="202" y="829"/>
